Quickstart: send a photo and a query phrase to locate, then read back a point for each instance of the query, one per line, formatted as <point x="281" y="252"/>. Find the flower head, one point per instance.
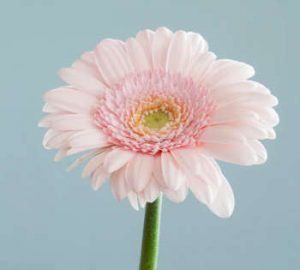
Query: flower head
<point x="154" y="113"/>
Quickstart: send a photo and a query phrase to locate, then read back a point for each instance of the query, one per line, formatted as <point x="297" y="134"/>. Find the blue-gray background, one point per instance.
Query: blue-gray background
<point x="52" y="220"/>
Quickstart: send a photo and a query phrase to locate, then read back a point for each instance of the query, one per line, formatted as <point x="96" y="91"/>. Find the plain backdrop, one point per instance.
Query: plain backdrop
<point x="52" y="220"/>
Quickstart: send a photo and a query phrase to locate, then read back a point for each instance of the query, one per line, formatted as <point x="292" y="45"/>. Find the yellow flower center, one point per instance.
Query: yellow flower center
<point x="156" y="119"/>
<point x="157" y="116"/>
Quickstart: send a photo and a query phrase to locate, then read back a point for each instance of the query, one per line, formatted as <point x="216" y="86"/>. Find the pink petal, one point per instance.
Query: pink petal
<point x="50" y="108"/>
<point x="142" y="200"/>
<point x="238" y="153"/>
<point x="116" y="159"/>
<point x="198" y="48"/>
<point x="260" y="150"/>
<point x="204" y="174"/>
<point x="57" y="139"/>
<point x="137" y="55"/>
<point x="112" y="61"/>
<point x="223" y="205"/>
<point x="201" y="66"/>
<point x="118" y="184"/>
<point x="157" y="172"/>
<point x="188" y="158"/>
<point x="87" y="64"/>
<point x="152" y="191"/>
<point x="79" y="160"/>
<point x="226" y="72"/>
<point x="223" y="93"/>
<point x="201" y="189"/>
<point x="91" y="138"/>
<point x="198" y="166"/>
<point x="60" y="154"/>
<point x="178" y="195"/>
<point x="224" y="115"/>
<point x="251" y="129"/>
<point x="93" y="164"/>
<point x="160" y="47"/>
<point x="67" y="122"/>
<point x="173" y="175"/>
<point x="222" y="134"/>
<point x="99" y="177"/>
<point x="81" y="80"/>
<point x="133" y="200"/>
<point x="198" y="44"/>
<point x="145" y="39"/>
<point x="48" y="136"/>
<point x="271" y="134"/>
<point x="251" y="100"/>
<point x="179" y="53"/>
<point x="70" y="100"/>
<point x="139" y="171"/>
<point x="268" y="116"/>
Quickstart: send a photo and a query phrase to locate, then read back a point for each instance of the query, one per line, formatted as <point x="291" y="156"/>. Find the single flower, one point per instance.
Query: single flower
<point x="155" y="112"/>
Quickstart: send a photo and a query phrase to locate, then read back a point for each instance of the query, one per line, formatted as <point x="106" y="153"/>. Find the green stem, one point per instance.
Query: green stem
<point x="150" y="243"/>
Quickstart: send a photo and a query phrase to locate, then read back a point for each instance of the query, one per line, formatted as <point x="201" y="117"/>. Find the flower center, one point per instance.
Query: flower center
<point x="154" y="111"/>
<point x="156" y="119"/>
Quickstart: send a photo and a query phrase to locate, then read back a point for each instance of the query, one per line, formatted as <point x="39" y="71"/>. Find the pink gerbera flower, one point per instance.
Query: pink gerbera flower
<point x="155" y="112"/>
